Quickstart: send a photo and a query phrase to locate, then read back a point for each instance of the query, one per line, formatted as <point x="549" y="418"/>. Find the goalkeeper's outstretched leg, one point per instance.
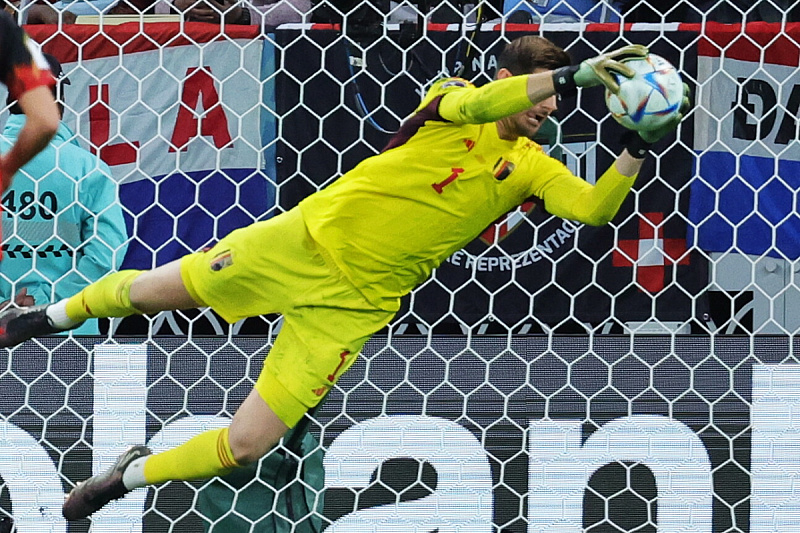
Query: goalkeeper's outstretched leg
<point x="255" y="429"/>
<point x="326" y="321"/>
<point x="120" y="294"/>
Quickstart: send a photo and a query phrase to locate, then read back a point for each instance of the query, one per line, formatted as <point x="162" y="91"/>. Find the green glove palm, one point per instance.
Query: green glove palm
<point x="598" y="70"/>
<point x="653" y="136"/>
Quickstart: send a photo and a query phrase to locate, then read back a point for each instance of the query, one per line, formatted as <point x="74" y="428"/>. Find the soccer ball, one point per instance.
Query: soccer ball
<point x="651" y="98"/>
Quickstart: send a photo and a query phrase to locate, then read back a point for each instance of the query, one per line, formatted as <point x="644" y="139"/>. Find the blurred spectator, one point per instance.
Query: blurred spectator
<point x="11" y="7"/>
<point x="43" y="12"/>
<point x="725" y="11"/>
<point x="268" y="13"/>
<point x="62" y="223"/>
<point x="539" y="11"/>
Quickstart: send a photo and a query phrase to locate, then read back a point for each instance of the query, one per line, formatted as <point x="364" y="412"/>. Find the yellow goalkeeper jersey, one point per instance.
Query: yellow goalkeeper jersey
<point x="440" y="182"/>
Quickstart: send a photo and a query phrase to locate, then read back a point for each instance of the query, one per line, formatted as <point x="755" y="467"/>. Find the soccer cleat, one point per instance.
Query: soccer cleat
<point x="91" y="495"/>
<point x="20" y="324"/>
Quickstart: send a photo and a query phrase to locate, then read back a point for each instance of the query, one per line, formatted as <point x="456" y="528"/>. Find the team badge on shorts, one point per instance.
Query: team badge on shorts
<point x="222" y="260"/>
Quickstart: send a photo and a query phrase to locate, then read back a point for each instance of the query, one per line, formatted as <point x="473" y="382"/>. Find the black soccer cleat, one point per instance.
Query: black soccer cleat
<point x="91" y="495"/>
<point x="20" y="324"/>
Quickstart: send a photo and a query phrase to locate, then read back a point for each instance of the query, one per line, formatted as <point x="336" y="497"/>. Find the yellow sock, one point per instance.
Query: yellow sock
<point x="109" y="297"/>
<point x="204" y="456"/>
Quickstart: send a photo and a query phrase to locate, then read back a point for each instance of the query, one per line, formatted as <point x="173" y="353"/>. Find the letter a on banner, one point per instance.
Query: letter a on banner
<point x="462" y="500"/>
<point x="561" y="466"/>
<point x="213" y="122"/>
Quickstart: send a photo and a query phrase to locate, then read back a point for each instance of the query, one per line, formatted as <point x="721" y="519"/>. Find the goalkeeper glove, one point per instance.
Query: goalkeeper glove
<point x="598" y="70"/>
<point x="638" y="145"/>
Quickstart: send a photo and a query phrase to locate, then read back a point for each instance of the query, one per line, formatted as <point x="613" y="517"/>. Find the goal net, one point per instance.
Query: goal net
<point x="550" y="376"/>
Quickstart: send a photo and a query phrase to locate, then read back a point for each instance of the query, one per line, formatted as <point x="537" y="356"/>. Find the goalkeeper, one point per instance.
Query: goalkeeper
<point x="337" y="265"/>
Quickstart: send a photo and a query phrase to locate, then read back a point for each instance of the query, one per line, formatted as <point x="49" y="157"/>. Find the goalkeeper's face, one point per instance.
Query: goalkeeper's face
<point x="527" y="123"/>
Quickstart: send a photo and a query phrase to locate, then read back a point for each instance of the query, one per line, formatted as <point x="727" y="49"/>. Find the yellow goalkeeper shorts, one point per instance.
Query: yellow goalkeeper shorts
<point x="276" y="267"/>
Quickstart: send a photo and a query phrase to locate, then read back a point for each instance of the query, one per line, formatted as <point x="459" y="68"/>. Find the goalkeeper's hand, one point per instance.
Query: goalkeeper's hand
<point x="599" y="70"/>
<point x="653" y="136"/>
<point x="639" y="144"/>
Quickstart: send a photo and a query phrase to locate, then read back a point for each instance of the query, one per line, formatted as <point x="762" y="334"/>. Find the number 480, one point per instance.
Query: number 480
<point x="27" y="206"/>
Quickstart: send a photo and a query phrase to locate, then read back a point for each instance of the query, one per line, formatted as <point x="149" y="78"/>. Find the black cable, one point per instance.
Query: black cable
<point x="481" y="16"/>
<point x="361" y="105"/>
<point x="469" y="54"/>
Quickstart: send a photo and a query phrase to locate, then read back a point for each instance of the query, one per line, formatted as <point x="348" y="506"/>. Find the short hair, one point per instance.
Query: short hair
<point x="525" y="54"/>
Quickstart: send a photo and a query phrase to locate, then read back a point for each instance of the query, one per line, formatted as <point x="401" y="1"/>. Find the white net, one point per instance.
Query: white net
<point x="548" y="377"/>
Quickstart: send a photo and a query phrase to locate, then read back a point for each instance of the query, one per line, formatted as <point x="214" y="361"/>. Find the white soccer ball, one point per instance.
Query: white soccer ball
<point x="649" y="99"/>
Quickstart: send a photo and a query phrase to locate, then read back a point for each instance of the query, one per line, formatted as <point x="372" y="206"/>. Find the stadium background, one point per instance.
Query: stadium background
<point x="584" y="330"/>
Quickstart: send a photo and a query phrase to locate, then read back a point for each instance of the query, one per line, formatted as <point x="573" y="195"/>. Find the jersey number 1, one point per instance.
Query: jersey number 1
<point x="439" y="187"/>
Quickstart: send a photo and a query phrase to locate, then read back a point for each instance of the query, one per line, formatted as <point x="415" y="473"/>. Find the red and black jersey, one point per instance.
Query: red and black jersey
<point x="22" y="65"/>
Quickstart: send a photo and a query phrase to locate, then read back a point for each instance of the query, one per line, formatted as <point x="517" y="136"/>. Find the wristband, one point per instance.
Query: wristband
<point x="636" y="146"/>
<point x="564" y="80"/>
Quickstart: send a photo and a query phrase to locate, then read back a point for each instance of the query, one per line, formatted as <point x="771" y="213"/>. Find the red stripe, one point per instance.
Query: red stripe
<point x="129" y="38"/>
<point x="608" y="27"/>
<point x="437" y="27"/>
<point x="513" y="27"/>
<point x="328" y="27"/>
<point x="763" y="41"/>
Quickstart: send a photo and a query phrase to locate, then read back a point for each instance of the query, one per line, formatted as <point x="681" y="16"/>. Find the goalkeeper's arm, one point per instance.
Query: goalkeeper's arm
<point x="568" y="196"/>
<point x="508" y="96"/>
